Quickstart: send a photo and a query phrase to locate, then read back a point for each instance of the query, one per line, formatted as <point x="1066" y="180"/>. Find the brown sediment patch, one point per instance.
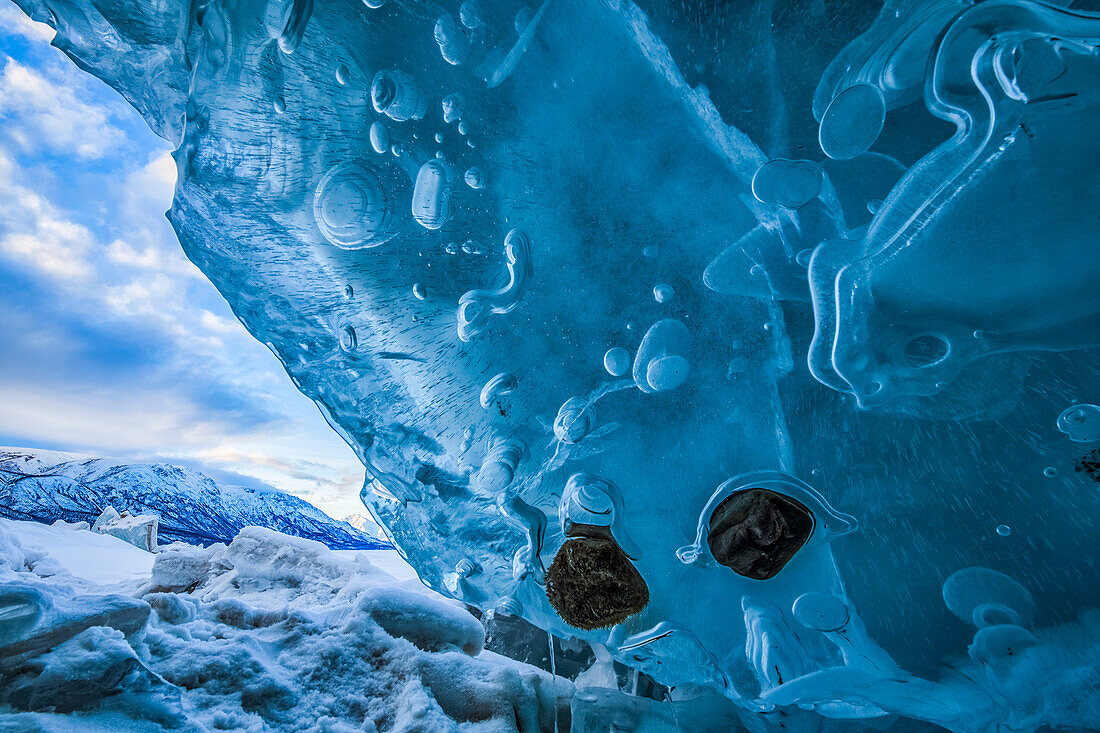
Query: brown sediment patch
<point x="756" y="532"/>
<point x="592" y="584"/>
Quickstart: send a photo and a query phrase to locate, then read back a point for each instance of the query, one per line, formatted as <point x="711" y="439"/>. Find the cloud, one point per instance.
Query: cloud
<point x="34" y="233"/>
<point x="16" y="23"/>
<point x="114" y="342"/>
<point x="41" y="113"/>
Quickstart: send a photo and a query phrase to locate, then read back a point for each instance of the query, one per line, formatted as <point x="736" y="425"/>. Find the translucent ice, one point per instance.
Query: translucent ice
<point x="754" y="269"/>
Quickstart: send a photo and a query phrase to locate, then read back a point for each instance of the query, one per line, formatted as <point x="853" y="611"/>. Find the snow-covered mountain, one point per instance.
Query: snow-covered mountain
<point x="366" y="525"/>
<point x="45" y="486"/>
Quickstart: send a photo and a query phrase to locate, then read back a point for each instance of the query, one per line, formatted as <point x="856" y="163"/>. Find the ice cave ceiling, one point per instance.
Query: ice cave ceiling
<point x="723" y="335"/>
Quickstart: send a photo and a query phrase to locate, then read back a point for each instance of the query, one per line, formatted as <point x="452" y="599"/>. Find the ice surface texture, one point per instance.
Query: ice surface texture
<point x="581" y="272"/>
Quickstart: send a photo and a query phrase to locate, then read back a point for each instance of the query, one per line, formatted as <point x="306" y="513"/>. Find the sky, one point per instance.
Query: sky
<point x="111" y="342"/>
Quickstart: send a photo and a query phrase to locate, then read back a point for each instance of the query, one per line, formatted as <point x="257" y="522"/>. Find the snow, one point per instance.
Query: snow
<point x="97" y="558"/>
<point x="269" y="632"/>
<point x="190" y="506"/>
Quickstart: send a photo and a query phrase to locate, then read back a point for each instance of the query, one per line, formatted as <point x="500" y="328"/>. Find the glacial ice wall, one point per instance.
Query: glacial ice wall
<point x="720" y="336"/>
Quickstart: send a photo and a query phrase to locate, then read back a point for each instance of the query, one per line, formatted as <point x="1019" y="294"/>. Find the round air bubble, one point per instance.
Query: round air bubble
<point x="454" y="44"/>
<point x="1081" y="423"/>
<point x="820" y="611"/>
<point x="575" y="419"/>
<point x="523" y="18"/>
<point x="431" y="200"/>
<point x="397" y="95"/>
<point x="852" y="122"/>
<point x="352" y="207"/>
<point x="661" y="361"/>
<point x="667" y="372"/>
<point x="475" y="178"/>
<point x="470" y="15"/>
<point x="616" y="361"/>
<point x="663" y="292"/>
<point x="787" y="183"/>
<point x="994" y="614"/>
<point x="927" y="350"/>
<point x="453" y="107"/>
<point x="379" y="138"/>
<point x="968" y="589"/>
<point x="995" y="643"/>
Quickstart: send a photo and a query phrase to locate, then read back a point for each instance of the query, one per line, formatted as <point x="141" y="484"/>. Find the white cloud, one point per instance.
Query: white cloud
<point x="200" y="386"/>
<point x="49" y="255"/>
<point x="155" y="257"/>
<point x="35" y="234"/>
<point x="41" y="113"/>
<point x="222" y="325"/>
<point x="15" y="22"/>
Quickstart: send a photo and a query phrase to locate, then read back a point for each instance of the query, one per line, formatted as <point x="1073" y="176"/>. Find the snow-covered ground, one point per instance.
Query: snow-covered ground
<point x="96" y="558"/>
<point x="268" y="633"/>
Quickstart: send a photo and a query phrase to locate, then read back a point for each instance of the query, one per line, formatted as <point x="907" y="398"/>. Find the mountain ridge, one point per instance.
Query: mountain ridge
<point x="45" y="485"/>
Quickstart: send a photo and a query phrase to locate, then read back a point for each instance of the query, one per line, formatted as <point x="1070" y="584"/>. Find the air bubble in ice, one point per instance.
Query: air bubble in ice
<point x="499" y="468"/>
<point x="343" y="74"/>
<point x="973" y="593"/>
<point x="523" y="18"/>
<point x="663" y="292"/>
<point x="379" y="137"/>
<point x="994" y="643"/>
<point x="667" y="372"/>
<point x="352" y="207"/>
<point x="575" y="419"/>
<point x="453" y="107"/>
<point x="476" y="306"/>
<point x="787" y="183"/>
<point x="348" y="339"/>
<point x="453" y="42"/>
<point x="852" y="122"/>
<point x="475" y="178"/>
<point x="1081" y="423"/>
<point x="286" y="20"/>
<point x="470" y="15"/>
<point x="431" y="201"/>
<point x="502" y="384"/>
<point x="661" y="362"/>
<point x="820" y="611"/>
<point x="398" y="96"/>
<point x="616" y="361"/>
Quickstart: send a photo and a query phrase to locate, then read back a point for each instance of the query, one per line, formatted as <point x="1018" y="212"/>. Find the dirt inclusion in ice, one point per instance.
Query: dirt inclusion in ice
<point x="716" y="279"/>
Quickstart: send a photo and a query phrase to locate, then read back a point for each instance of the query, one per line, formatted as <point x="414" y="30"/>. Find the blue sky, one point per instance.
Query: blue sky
<point x="113" y="343"/>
